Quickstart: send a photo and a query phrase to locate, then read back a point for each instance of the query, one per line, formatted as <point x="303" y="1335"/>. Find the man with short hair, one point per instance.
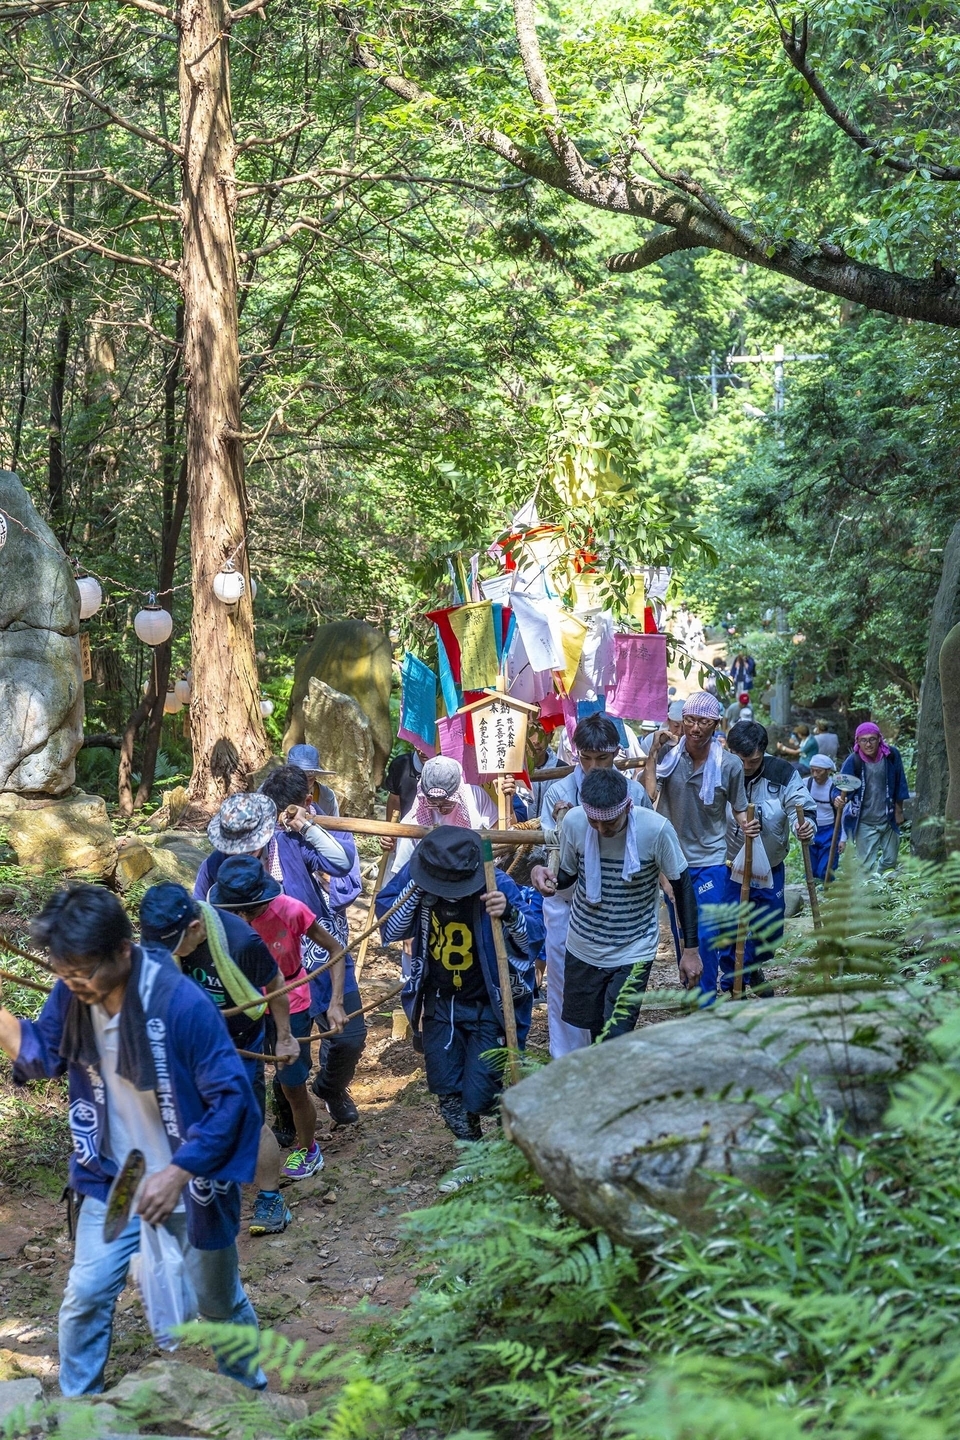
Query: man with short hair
<point x="597" y="744"/>
<point x="734" y="711"/>
<point x="775" y="789"/>
<point x="696" y="778"/>
<point x="227" y="959"/>
<point x="453" y="997"/>
<point x="150" y="1067"/>
<point x="612" y="854"/>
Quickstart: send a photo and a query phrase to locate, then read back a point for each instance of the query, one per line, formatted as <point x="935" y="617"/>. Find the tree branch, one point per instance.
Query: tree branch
<point x="43" y="7"/>
<point x="652" y="250"/>
<point x="303" y="222"/>
<point x="698" y="217"/>
<point x="539" y="86"/>
<point x="794" y="44"/>
<point x="115" y="116"/>
<point x="47" y="228"/>
<point x="245" y="11"/>
<point x="313" y="177"/>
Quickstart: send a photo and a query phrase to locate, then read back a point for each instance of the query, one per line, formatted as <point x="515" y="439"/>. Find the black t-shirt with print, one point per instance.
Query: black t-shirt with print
<point x="251" y="956"/>
<point x="454" y="963"/>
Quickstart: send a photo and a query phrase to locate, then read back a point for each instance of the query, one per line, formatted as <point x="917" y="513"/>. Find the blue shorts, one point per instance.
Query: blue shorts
<point x="297" y="1071"/>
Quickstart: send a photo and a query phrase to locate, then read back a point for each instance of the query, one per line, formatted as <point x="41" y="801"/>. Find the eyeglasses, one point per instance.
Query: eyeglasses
<point x="80" y="975"/>
<point x="698" y="722"/>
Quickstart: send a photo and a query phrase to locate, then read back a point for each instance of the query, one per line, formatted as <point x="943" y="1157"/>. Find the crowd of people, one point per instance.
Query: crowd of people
<point x="164" y="1040"/>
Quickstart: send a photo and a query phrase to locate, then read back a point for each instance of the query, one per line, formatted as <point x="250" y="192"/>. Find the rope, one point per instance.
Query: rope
<point x="323" y="1034"/>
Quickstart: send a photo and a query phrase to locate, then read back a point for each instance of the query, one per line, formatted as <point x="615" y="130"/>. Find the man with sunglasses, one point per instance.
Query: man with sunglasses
<point x="150" y="1067"/>
<point x="696" y="779"/>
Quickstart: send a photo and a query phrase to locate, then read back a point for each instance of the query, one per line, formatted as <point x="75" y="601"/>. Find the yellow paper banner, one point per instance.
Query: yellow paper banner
<point x="473" y="626"/>
<point x="573" y="633"/>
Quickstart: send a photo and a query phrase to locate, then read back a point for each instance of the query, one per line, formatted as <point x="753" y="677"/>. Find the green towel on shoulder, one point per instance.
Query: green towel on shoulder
<point x="236" y="984"/>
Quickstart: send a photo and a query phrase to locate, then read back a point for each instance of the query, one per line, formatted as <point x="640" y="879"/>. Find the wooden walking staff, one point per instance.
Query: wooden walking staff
<point x="808" y="871"/>
<point x="378" y="886"/>
<point x="846" y="784"/>
<point x="503" y="968"/>
<point x="743" y="923"/>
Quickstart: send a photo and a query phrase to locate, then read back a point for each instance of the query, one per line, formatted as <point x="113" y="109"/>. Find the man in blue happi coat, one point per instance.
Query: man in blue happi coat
<point x="150" y="1067"/>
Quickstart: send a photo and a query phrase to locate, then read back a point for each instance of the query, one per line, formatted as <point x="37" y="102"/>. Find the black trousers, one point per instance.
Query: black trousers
<point x="590" y="996"/>
<point x="339" y="1057"/>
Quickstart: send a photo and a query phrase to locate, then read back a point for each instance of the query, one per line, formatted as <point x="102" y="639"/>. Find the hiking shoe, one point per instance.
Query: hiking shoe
<point x="339" y="1105"/>
<point x="285" y="1138"/>
<point x="463" y="1126"/>
<point x="270" y="1214"/>
<point x="301" y="1164"/>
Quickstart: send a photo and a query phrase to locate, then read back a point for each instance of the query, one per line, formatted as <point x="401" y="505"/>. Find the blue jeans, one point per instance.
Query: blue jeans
<point x="455" y="1035"/>
<point x="766" y="917"/>
<point x="96" y="1278"/>
<point x="710" y="887"/>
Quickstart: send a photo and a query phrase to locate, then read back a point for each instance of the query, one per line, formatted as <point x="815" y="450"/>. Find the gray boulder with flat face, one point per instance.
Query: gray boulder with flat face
<point x="626" y="1129"/>
<point x="41" y="681"/>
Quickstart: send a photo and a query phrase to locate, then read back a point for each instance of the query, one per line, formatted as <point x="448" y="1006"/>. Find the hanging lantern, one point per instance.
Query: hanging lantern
<point x="146" y="687"/>
<point x="182" y="691"/>
<point x="266" y="707"/>
<point x="91" y="596"/>
<point x="172" y="704"/>
<point x="253" y="589"/>
<point x="153" y="625"/>
<point x="229" y="585"/>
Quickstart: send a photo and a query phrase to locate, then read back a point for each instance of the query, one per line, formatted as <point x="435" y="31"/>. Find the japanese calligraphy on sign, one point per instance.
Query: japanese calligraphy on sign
<point x="500" y="735"/>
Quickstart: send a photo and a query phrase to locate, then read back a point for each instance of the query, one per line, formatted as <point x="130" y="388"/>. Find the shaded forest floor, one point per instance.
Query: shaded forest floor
<point x="342" y="1257"/>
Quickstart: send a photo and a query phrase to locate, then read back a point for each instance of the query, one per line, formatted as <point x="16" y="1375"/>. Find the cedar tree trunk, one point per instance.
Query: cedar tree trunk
<point x="226" y="726"/>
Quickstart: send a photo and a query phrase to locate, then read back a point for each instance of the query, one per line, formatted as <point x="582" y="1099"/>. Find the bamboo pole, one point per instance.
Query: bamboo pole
<point x="417" y="832"/>
<point x="377" y="887"/>
<point x="808" y="871"/>
<point x="743" y="922"/>
<point x="503" y="969"/>
<point x="323" y="1034"/>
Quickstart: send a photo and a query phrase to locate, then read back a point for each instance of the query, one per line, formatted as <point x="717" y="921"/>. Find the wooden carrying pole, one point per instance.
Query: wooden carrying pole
<point x="365" y="942"/>
<point x="503" y="969"/>
<point x="743" y="922"/>
<point x="557" y="772"/>
<point x="808" y="871"/>
<point x="417" y="832"/>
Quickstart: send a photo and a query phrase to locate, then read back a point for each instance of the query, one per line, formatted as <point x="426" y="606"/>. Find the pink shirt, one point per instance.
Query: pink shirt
<point x="281" y="928"/>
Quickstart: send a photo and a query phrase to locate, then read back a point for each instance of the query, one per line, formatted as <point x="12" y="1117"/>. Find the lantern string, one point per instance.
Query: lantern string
<point x="120" y="587"/>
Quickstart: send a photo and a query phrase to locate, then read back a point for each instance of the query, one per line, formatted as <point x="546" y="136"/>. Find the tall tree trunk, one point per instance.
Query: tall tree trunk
<point x="55" y="464"/>
<point x="933" y="774"/>
<point x="227" y="729"/>
<point x="174" y="500"/>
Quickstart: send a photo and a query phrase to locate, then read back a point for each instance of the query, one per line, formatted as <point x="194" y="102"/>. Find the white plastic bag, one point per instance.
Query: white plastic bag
<point x="165" y="1288"/>
<point x="761" y="874"/>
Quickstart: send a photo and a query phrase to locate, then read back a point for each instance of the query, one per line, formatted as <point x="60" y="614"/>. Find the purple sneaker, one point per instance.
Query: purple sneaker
<point x="301" y="1164"/>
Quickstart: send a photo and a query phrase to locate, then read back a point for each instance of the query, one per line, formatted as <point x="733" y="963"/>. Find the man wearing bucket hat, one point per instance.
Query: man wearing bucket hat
<point x="452" y="997"/>
<point x="696" y="779"/>
<point x="244" y="887"/>
<point x="227" y="959"/>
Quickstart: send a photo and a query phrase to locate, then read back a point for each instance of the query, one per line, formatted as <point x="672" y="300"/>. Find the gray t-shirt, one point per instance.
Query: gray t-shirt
<point x="873" y="811"/>
<point x="625" y="927"/>
<point x="702" y="829"/>
<point x="827" y="743"/>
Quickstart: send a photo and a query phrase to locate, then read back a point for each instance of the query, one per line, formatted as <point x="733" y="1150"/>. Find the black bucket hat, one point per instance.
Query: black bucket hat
<point x="242" y="883"/>
<point x="448" y="862"/>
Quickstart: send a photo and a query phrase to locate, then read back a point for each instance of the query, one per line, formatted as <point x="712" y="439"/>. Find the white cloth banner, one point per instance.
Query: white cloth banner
<point x="541" y="632"/>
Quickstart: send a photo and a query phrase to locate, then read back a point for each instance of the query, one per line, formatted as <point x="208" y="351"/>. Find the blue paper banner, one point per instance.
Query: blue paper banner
<point x="418" y="705"/>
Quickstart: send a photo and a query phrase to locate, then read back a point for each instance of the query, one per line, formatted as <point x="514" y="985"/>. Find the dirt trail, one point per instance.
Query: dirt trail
<point x="344" y="1245"/>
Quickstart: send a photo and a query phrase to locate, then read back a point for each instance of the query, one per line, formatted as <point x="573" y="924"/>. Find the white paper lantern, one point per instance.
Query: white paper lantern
<point x="146" y="687"/>
<point x="266" y="707"/>
<point x="172" y="704"/>
<point x="253" y="589"/>
<point x="91" y="596"/>
<point x="228" y="585"/>
<point x="153" y="625"/>
<point x="182" y="691"/>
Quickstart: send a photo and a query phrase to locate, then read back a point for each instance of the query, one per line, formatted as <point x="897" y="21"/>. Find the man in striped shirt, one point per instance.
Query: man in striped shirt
<point x="614" y="852"/>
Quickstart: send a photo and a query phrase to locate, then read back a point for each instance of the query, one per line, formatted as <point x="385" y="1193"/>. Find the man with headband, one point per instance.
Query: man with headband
<point x="613" y="853"/>
<point x="597" y="743"/>
<point x="874" y="813"/>
<point x="697" y="779"/>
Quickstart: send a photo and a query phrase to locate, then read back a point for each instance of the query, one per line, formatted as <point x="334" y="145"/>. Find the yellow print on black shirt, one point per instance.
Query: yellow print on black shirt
<point x="451" y="945"/>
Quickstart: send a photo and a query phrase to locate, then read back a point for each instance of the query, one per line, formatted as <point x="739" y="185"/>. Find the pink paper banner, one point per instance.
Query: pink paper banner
<point x="417" y="741"/>
<point x="453" y="743"/>
<point x="641" y="689"/>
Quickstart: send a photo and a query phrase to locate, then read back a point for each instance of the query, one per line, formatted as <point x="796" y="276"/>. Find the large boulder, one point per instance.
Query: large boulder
<point x="631" y="1127"/>
<point x="41" y="679"/>
<point x="73" y="835"/>
<point x="355" y="659"/>
<point x="343" y="734"/>
<point x="171" y="1392"/>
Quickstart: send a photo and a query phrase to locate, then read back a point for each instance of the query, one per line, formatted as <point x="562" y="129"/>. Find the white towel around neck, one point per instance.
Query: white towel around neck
<point x="711" y="769"/>
<point x="591" y="858"/>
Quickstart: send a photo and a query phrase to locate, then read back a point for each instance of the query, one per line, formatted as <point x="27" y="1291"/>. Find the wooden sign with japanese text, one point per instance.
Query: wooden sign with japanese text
<point x="500" y="736"/>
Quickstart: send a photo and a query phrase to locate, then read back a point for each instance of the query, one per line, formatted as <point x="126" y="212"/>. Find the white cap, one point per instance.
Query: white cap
<point x="822" y="762"/>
